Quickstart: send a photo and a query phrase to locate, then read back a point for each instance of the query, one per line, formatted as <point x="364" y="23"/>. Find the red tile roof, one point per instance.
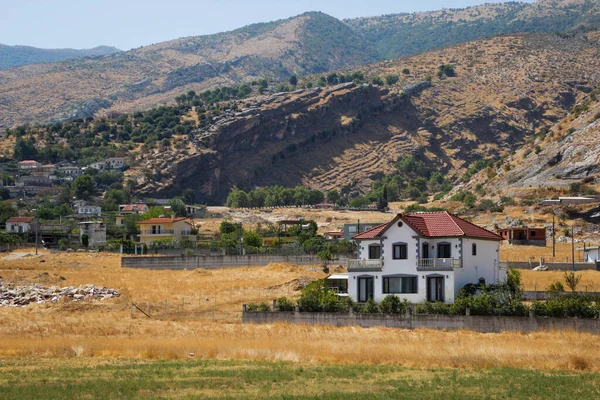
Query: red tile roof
<point x="434" y="224"/>
<point x="20" y="219"/>
<point x="371" y="233"/>
<point x="28" y="162"/>
<point x="133" y="207"/>
<point x="161" y="221"/>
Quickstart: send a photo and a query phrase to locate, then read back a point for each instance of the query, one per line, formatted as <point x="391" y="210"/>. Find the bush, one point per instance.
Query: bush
<point x="262" y="307"/>
<point x="284" y="304"/>
<point x="555" y="288"/>
<point x="391" y="304"/>
<point x="370" y="307"/>
<point x="63" y="244"/>
<point x="318" y="297"/>
<point x="438" y="308"/>
<point x="567" y="306"/>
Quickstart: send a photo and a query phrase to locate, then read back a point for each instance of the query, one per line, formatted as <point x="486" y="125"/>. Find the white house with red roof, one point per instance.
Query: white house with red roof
<point x="423" y="257"/>
<point x="155" y="229"/>
<point x="20" y="224"/>
<point x="28" y="164"/>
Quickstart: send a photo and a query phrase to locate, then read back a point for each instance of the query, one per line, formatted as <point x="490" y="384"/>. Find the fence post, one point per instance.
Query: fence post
<point x="243" y="308"/>
<point x="351" y="310"/>
<point x="468" y="311"/>
<point x="297" y="310"/>
<point x="531" y="313"/>
<point x="274" y="305"/>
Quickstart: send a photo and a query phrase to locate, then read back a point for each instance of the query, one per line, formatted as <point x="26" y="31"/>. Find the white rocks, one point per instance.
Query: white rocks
<point x="20" y="296"/>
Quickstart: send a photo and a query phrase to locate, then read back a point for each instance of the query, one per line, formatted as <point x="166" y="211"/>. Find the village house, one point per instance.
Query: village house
<point x="334" y="235"/>
<point x="423" y="257"/>
<point x="20" y="224"/>
<point x="95" y="231"/>
<point x="89" y="210"/>
<point x="524" y="236"/>
<point x="354" y="229"/>
<point x="45" y="171"/>
<point x="130" y="209"/>
<point x="109" y="163"/>
<point x="154" y="229"/>
<point x="28" y="164"/>
<point x="590" y="254"/>
<point x="70" y="172"/>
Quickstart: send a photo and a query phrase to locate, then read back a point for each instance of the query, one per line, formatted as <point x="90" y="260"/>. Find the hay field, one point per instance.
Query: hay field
<point x="93" y="330"/>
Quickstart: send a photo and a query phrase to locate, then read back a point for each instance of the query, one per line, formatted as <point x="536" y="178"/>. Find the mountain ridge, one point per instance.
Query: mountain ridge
<point x="19" y="55"/>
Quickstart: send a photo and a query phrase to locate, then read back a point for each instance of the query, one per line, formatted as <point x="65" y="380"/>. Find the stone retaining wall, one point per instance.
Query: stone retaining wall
<point x="483" y="324"/>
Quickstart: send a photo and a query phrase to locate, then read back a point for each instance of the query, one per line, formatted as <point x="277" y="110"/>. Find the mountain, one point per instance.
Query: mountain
<point x="15" y="56"/>
<point x="489" y="99"/>
<point x="145" y="77"/>
<point x="398" y="35"/>
<point x="307" y="44"/>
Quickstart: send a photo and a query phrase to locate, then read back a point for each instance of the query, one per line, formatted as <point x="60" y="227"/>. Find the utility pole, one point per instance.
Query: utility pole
<point x="573" y="247"/>
<point x="37" y="228"/>
<point x="553" y="239"/>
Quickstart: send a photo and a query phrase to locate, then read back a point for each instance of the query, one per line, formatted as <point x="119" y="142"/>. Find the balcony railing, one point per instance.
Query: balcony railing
<point x="364" y="265"/>
<point x="158" y="232"/>
<point x="438" y="264"/>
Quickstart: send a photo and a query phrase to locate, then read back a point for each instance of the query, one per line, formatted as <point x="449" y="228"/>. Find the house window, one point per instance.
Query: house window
<point x="400" y="285"/>
<point x="532" y="233"/>
<point x="474" y="249"/>
<point x="400" y="251"/>
<point x="374" y="252"/>
<point x="338" y="285"/>
<point x="352" y="229"/>
<point x="444" y="250"/>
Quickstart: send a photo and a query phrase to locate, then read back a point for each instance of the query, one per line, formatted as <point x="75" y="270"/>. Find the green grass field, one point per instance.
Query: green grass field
<point x="111" y="379"/>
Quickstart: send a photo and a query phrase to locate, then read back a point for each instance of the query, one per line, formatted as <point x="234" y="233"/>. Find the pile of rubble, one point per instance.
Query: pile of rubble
<point x="20" y="296"/>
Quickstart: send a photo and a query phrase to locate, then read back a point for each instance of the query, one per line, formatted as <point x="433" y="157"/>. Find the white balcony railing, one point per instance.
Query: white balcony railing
<point x="365" y="265"/>
<point x="438" y="264"/>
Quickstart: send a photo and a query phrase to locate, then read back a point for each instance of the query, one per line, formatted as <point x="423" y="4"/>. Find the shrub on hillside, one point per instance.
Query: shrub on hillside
<point x="284" y="304"/>
<point x="262" y="307"/>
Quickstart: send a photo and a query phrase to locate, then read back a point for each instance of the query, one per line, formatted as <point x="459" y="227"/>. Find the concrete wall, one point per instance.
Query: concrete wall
<point x="552" y="266"/>
<point x="214" y="262"/>
<point x="474" y="323"/>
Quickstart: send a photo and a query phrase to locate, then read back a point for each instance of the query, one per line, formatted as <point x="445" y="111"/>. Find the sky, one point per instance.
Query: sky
<point x="128" y="24"/>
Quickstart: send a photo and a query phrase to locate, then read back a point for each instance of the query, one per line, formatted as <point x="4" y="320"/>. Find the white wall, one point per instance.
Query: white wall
<point x="483" y="265"/>
<point x="591" y="255"/>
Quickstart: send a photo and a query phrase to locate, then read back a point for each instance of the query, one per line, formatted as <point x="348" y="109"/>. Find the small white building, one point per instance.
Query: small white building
<point x="20" y="224"/>
<point x="89" y="210"/>
<point x="109" y="163"/>
<point x="95" y="231"/>
<point x="423" y="257"/>
<point x="28" y="164"/>
<point x="590" y="254"/>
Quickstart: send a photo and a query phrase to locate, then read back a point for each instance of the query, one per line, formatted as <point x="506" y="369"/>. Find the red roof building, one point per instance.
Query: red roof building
<point x="26" y="220"/>
<point x="434" y="224"/>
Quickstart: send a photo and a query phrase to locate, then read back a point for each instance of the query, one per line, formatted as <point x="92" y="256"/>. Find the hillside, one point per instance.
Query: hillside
<point x="398" y="35"/>
<point x="345" y="135"/>
<point x="152" y="75"/>
<point x="16" y="56"/>
<point x="307" y="44"/>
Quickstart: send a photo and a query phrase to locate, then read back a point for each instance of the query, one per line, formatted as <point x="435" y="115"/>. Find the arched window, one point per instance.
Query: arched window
<point x="474" y="249"/>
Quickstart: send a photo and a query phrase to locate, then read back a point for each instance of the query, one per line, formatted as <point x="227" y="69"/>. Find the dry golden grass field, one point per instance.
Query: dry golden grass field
<point x="202" y="317"/>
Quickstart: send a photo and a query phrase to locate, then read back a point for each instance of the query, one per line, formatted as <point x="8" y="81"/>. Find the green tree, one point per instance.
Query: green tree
<point x="6" y="211"/>
<point x="406" y="71"/>
<point x="293" y="80"/>
<point x="252" y="239"/>
<point x="4" y="193"/>
<point x="84" y="187"/>
<point x="228" y="227"/>
<point x="178" y="207"/>
<point x="377" y="81"/>
<point x="572" y="280"/>
<point x="333" y="196"/>
<point x="391" y="79"/>
<point x="359" y="202"/>
<point x="189" y="196"/>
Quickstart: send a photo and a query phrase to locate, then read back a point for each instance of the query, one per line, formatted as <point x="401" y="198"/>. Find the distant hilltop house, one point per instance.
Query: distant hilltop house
<point x="570" y="201"/>
<point x="20" y="224"/>
<point x="423" y="257"/>
<point x="154" y="229"/>
<point x="524" y="236"/>
<point x="95" y="231"/>
<point x="109" y="163"/>
<point x="354" y="229"/>
<point x="28" y="164"/>
<point x="334" y="235"/>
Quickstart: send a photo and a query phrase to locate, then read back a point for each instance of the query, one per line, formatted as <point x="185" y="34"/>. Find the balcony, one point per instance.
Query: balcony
<point x="158" y="232"/>
<point x="365" y="265"/>
<point x="438" y="264"/>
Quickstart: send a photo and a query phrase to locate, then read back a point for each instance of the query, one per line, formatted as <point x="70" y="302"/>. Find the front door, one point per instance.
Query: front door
<point x="435" y="289"/>
<point x="365" y="289"/>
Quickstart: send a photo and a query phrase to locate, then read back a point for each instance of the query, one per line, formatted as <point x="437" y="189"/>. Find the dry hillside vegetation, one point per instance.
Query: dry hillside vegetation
<point x="504" y="90"/>
<point x="105" y="329"/>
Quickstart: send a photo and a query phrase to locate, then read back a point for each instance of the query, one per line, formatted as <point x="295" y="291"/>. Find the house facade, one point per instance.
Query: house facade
<point x="351" y="230"/>
<point x="20" y="224"/>
<point x="95" y="231"/>
<point x="89" y="210"/>
<point x="155" y="229"/>
<point x="524" y="236"/>
<point x="423" y="257"/>
<point x="28" y="164"/>
<point x="129" y="209"/>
